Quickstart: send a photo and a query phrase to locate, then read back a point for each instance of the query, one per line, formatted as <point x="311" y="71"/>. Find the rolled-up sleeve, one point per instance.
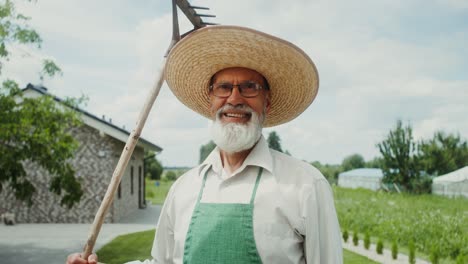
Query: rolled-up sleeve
<point x="322" y="236"/>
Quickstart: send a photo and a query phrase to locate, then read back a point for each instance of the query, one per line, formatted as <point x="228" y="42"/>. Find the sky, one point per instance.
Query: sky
<point x="378" y="61"/>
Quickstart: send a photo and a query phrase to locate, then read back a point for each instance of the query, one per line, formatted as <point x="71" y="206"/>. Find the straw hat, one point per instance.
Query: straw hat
<point x="291" y="74"/>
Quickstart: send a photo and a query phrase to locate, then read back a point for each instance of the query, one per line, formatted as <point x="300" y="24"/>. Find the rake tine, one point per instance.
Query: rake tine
<point x="199" y="7"/>
<point x="210" y="24"/>
<point x="204" y="15"/>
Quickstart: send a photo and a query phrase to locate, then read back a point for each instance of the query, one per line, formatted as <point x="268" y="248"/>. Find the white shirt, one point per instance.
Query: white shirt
<point x="294" y="215"/>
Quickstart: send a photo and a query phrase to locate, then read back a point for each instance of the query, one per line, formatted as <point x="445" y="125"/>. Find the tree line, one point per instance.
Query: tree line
<point x="409" y="163"/>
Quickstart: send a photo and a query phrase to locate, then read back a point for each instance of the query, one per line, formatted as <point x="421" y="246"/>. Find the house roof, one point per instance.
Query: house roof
<point x="454" y="176"/>
<point x="93" y="121"/>
<point x="363" y="172"/>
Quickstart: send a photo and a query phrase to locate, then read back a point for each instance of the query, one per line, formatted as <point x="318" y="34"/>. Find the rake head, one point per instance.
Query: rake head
<point x="190" y="12"/>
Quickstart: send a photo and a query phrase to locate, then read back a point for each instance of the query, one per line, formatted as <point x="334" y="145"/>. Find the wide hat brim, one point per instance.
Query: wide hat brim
<point x="291" y="74"/>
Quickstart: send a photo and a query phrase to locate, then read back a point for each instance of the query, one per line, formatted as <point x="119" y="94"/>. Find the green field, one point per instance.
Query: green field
<point x="137" y="246"/>
<point x="157" y="194"/>
<point x="433" y="222"/>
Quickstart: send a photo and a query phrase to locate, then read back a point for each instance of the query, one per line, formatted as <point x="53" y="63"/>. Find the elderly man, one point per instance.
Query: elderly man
<point x="245" y="203"/>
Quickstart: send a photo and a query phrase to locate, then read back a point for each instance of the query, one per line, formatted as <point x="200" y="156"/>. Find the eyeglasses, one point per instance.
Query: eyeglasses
<point x="246" y="89"/>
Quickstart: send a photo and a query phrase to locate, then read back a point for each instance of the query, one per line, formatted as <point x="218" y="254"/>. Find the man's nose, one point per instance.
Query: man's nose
<point x="235" y="98"/>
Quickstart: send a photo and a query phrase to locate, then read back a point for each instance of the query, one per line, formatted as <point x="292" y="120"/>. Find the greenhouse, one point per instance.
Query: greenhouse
<point x="452" y="184"/>
<point x="368" y="178"/>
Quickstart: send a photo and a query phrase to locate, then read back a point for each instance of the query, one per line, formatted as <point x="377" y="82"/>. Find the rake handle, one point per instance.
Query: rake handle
<point x="122" y="164"/>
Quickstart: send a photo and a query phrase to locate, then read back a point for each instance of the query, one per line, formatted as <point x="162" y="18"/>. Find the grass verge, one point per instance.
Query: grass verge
<point x="134" y="246"/>
<point x="353" y="258"/>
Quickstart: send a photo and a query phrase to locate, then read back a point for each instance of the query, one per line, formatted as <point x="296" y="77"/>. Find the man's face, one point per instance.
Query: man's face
<point x="237" y="120"/>
<point x="260" y="103"/>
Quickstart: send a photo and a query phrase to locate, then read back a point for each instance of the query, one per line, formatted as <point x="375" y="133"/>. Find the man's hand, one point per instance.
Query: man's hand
<point x="76" y="258"/>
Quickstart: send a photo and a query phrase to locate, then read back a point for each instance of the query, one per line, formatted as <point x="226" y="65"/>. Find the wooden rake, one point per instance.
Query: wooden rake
<point x="196" y="20"/>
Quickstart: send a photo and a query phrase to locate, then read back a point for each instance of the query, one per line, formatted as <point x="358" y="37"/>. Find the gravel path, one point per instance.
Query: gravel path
<point x="371" y="253"/>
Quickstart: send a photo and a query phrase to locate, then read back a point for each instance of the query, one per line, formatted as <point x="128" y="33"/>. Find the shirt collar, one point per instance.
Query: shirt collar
<point x="260" y="156"/>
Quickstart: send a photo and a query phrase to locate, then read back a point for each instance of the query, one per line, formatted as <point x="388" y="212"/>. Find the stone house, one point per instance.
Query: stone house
<point x="100" y="146"/>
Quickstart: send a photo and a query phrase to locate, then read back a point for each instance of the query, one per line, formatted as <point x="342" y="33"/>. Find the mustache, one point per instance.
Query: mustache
<point x="227" y="107"/>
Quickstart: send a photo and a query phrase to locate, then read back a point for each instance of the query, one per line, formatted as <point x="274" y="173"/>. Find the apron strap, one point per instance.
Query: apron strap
<point x="200" y="193"/>
<point x="260" y="171"/>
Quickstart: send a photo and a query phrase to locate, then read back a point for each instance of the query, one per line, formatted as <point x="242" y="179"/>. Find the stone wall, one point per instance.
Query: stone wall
<point x="128" y="201"/>
<point x="94" y="162"/>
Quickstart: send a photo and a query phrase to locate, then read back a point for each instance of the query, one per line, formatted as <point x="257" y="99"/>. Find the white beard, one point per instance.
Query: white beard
<point x="236" y="137"/>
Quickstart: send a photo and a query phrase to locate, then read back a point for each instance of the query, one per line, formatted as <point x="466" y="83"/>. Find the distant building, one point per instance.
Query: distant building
<point x="100" y="146"/>
<point x="368" y="178"/>
<point x="452" y="184"/>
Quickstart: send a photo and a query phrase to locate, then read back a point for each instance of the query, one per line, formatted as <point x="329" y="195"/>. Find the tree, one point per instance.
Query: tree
<point x="351" y="162"/>
<point x="205" y="150"/>
<point x="15" y="30"/>
<point x="376" y="162"/>
<point x="330" y="171"/>
<point x="153" y="167"/>
<point x="444" y="153"/>
<point x="274" y="141"/>
<point x="171" y="176"/>
<point x="34" y="130"/>
<point x="400" y="159"/>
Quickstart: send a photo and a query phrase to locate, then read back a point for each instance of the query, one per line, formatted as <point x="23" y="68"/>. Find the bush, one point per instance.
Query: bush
<point x="345" y="236"/>
<point x="394" y="250"/>
<point x="422" y="184"/>
<point x="379" y="247"/>
<point x="150" y="194"/>
<point x="171" y="176"/>
<point x="367" y="240"/>
<point x="355" y="238"/>
<point x="412" y="255"/>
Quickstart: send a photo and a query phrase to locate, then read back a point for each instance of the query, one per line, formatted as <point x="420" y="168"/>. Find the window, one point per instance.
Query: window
<point x="119" y="191"/>
<point x="131" y="180"/>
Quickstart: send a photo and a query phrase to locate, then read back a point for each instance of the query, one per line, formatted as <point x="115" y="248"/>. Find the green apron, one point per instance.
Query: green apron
<point x="222" y="233"/>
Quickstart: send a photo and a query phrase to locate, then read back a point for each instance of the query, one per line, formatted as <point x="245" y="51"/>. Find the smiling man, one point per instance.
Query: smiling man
<point x="245" y="203"/>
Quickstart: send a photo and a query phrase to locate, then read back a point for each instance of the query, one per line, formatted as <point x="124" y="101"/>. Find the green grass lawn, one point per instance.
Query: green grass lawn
<point x="137" y="246"/>
<point x="157" y="194"/>
<point x="433" y="222"/>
